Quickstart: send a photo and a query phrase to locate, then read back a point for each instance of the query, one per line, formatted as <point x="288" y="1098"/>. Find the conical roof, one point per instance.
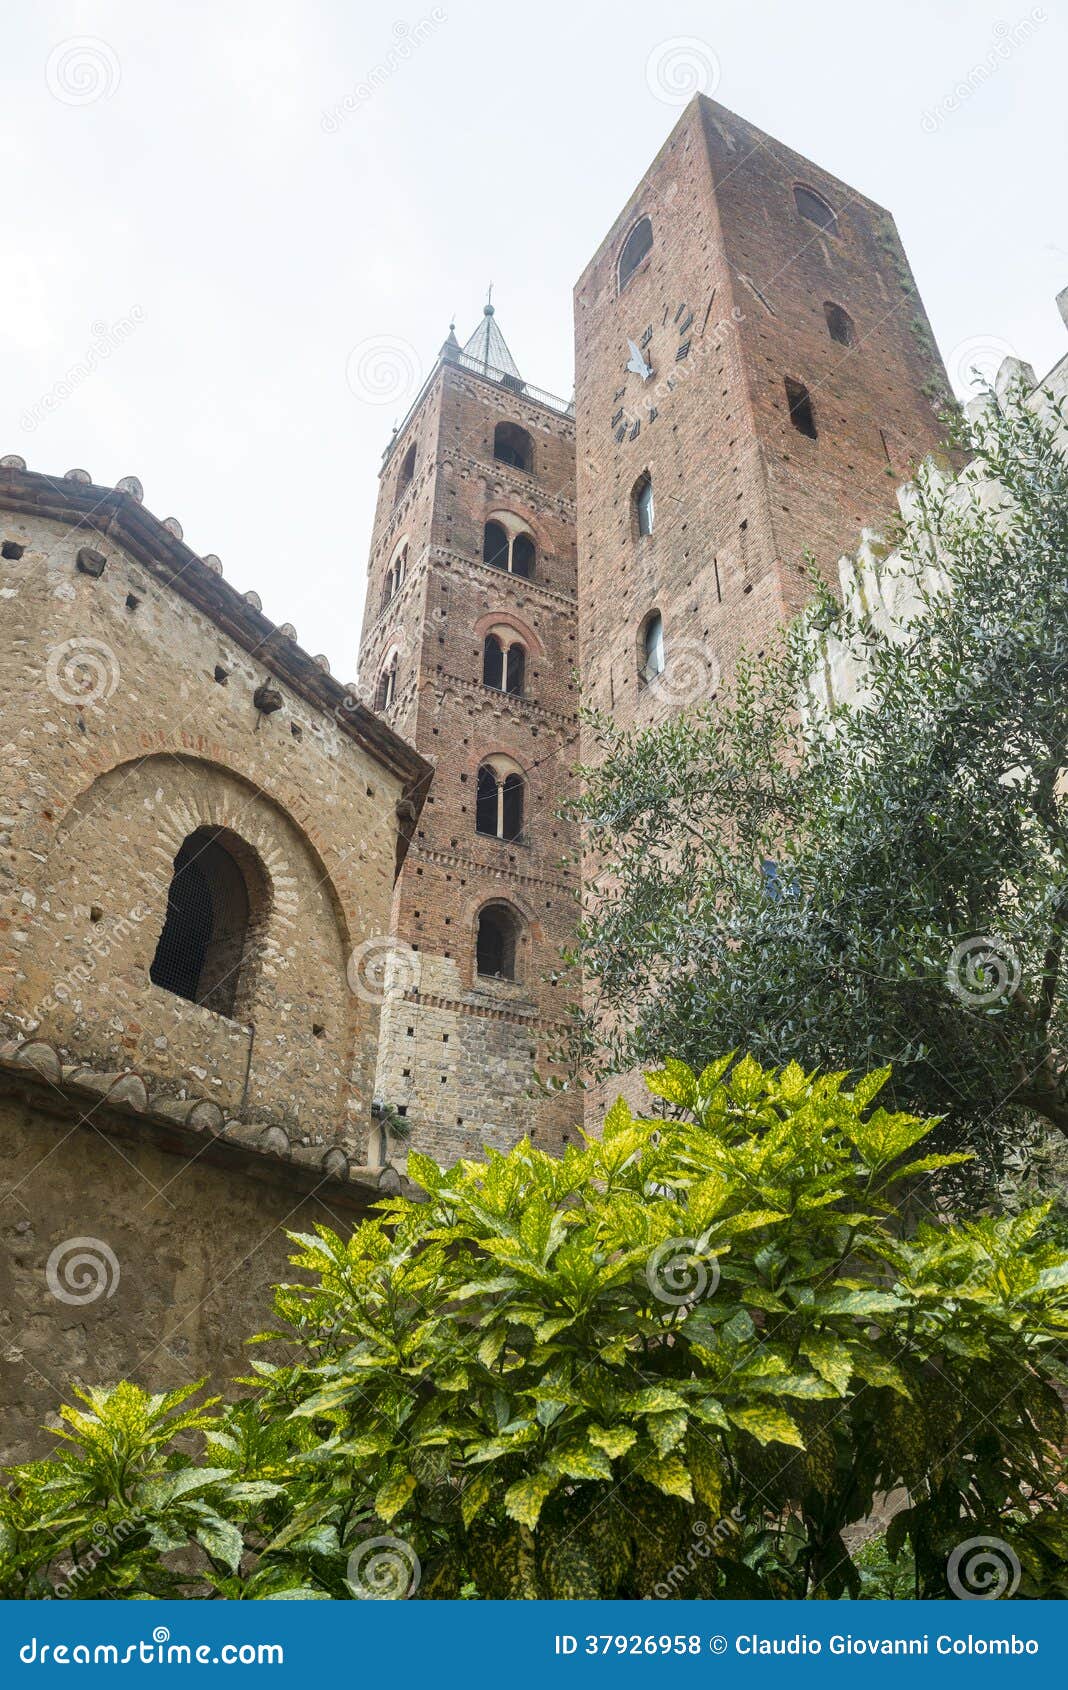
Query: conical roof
<point x="488" y="347"/>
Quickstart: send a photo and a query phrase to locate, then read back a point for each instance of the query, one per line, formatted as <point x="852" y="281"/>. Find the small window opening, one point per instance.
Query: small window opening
<point x="635" y="247"/>
<point x="839" y="324"/>
<point x="642" y="497"/>
<point x="202" y="950"/>
<point x="404" y="474"/>
<point x="513" y="446"/>
<point x="800" y="403"/>
<point x="653" y="647"/>
<point x="815" y="209"/>
<point x="497" y="943"/>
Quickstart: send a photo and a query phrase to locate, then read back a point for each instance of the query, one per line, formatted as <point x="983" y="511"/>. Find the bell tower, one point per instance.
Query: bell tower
<point x="469" y="650"/>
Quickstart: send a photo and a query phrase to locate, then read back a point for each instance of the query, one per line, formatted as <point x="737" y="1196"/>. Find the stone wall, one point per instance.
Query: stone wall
<point x="143" y="701"/>
<point x="124" y="1259"/>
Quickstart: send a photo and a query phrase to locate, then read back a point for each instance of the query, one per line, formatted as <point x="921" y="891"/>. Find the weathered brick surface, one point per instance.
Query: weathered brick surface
<point x="128" y="722"/>
<point x="729" y="302"/>
<point x="462" y="1054"/>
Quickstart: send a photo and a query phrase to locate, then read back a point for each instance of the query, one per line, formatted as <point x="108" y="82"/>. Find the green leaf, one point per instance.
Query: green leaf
<point x="614" y="1440"/>
<point x="524" y="1500"/>
<point x="393" y="1494"/>
<point x="476" y="1494"/>
<point x="668" y="1473"/>
<point x="221" y="1539"/>
<point x="768" y="1424"/>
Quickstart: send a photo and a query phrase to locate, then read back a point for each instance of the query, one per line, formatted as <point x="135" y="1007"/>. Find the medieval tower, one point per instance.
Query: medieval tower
<point x="469" y="650"/>
<point x="755" y="373"/>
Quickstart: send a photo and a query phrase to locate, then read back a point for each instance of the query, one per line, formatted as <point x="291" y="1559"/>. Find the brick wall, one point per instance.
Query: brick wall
<point x="462" y="1053"/>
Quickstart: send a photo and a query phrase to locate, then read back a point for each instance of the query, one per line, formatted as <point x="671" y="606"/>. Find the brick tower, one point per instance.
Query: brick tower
<point x="469" y="651"/>
<point x="755" y="373"/>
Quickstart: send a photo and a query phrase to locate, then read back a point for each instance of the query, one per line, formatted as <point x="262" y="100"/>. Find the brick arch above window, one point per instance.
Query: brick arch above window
<point x="496" y="619"/>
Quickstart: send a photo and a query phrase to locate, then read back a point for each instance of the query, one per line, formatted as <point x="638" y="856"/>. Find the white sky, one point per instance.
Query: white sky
<point x="171" y="172"/>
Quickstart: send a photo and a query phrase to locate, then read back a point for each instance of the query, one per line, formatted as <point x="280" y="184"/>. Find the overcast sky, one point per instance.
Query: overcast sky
<point x="254" y="224"/>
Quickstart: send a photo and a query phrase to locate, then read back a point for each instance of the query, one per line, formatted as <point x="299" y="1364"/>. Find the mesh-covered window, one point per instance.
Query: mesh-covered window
<point x="635" y="247"/>
<point x="814" y="208"/>
<point x="202" y="947"/>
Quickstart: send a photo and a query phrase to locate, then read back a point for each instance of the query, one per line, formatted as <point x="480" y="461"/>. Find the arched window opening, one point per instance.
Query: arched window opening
<point x="653" y="647"/>
<point x="800" y="403"/>
<point x="839" y="324"/>
<point x="203" y="947"/>
<point x="508" y="549"/>
<point x="395" y="573"/>
<point x="386" y="691"/>
<point x="492" y="662"/>
<point x="642" y="500"/>
<point x="815" y="209"/>
<point x="495" y="546"/>
<point x="635" y="247"/>
<point x="523" y="556"/>
<point x="499" y="803"/>
<point x="497" y="942"/>
<point x="513" y="446"/>
<point x="404" y="474"/>
<point x="503" y="662"/>
<point x="514" y="669"/>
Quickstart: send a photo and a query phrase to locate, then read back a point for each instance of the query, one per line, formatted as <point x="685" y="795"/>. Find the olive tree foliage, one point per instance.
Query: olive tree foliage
<point x="883" y="882"/>
<point x="679" y="1360"/>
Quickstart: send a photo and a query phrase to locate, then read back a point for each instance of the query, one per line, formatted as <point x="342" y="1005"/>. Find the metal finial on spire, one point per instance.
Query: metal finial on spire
<point x="488" y="307"/>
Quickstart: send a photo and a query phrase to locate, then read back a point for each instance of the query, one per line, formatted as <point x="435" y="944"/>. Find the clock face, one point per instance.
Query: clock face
<point x="649" y="371"/>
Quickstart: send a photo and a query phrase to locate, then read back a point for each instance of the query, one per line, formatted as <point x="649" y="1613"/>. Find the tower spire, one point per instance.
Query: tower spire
<point x="488" y="347"/>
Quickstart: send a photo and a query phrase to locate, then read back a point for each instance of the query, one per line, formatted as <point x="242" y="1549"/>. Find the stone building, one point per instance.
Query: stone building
<point x="257" y="934"/>
<point x="199" y="834"/>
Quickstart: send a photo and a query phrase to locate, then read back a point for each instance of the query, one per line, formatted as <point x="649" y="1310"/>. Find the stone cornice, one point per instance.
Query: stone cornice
<point x="120" y="517"/>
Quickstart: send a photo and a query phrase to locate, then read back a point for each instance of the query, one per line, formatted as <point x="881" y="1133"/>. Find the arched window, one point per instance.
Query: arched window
<point x="814" y="207"/>
<point x="635" y="247"/>
<point x="652" y="646"/>
<point x="404" y="474"/>
<point x="642" y="500"/>
<point x="503" y="662"/>
<point x="839" y="324"/>
<point x="800" y="402"/>
<point x="510" y="548"/>
<point x="396" y="572"/>
<point x="497" y="942"/>
<point x="495" y="545"/>
<point x="492" y="662"/>
<point x="512" y="445"/>
<point x="523" y="556"/>
<point x="386" y="691"/>
<point x="515" y="669"/>
<point x="499" y="801"/>
<point x="202" y="951"/>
